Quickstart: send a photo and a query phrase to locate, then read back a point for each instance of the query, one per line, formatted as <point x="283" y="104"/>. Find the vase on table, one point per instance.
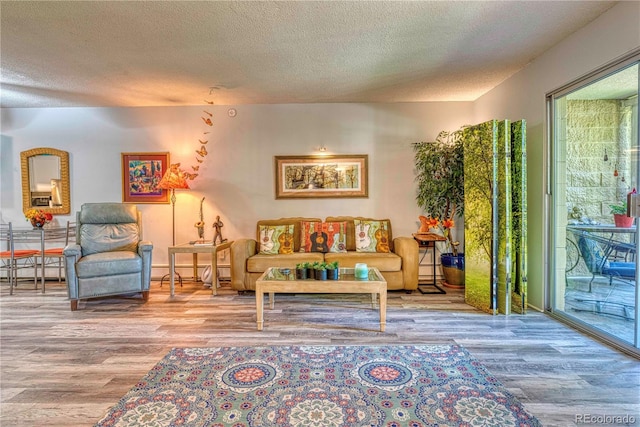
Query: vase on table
<point x="36" y="223"/>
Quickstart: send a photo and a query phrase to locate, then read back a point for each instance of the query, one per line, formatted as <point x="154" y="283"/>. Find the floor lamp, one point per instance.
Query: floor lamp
<point x="172" y="179"/>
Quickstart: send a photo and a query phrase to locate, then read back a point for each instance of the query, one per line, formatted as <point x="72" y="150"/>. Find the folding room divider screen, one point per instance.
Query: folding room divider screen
<point x="495" y="216"/>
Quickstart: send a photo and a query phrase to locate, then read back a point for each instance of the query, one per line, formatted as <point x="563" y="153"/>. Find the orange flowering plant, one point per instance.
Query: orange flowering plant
<point x="38" y="217"/>
<point x="440" y="178"/>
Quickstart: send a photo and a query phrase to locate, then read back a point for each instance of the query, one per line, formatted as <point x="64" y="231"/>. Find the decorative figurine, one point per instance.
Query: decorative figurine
<point x="200" y="224"/>
<point x="218" y="231"/>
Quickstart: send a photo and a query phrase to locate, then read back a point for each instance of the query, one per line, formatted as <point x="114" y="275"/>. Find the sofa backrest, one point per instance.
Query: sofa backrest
<point x="295" y="221"/>
<point x="351" y="229"/>
<point x="106" y="227"/>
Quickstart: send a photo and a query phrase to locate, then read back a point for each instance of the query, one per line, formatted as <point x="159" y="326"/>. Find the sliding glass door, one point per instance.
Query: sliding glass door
<point x="594" y="166"/>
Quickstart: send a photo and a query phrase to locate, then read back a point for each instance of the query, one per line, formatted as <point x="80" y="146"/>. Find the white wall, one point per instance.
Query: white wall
<point x="237" y="177"/>
<point x="614" y="33"/>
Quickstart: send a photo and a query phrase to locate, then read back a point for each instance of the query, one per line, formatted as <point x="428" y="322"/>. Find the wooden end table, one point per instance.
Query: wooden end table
<point x="195" y="249"/>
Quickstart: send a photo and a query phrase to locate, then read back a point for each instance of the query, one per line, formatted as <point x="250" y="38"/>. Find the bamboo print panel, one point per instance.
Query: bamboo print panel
<point x="480" y="146"/>
<point x="519" y="217"/>
<point x="502" y="189"/>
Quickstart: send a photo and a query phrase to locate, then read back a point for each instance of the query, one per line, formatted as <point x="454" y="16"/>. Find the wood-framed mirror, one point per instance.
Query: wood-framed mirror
<point x="45" y="180"/>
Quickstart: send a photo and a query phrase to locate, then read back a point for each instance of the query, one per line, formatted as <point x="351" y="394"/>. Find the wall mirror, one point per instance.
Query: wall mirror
<point x="45" y="180"/>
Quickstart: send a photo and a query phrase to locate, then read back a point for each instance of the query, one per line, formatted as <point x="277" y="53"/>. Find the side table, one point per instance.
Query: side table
<point x="189" y="248"/>
<point x="426" y="241"/>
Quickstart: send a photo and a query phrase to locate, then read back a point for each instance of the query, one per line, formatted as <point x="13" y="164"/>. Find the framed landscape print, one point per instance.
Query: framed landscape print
<point x="321" y="176"/>
<point x="141" y="173"/>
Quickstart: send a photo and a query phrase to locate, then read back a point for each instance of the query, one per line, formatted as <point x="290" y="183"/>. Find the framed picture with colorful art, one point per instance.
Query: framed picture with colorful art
<point x="321" y="176"/>
<point x="141" y="173"/>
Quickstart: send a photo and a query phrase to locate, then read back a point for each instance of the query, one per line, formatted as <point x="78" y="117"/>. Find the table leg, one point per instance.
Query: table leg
<point x="195" y="266"/>
<point x="172" y="266"/>
<point x="383" y="310"/>
<point x="374" y="300"/>
<point x="214" y="272"/>
<point x="259" y="308"/>
<point x="272" y="300"/>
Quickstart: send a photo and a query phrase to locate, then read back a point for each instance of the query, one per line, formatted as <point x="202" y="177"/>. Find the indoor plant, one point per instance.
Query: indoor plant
<point x="332" y="270"/>
<point x="439" y="167"/>
<point x="620" y="218"/>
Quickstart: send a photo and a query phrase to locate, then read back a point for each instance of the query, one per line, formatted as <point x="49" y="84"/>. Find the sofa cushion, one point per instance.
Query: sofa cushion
<point x="351" y="229"/>
<point x="371" y="236"/>
<point x="259" y="263"/>
<point x="286" y="221"/>
<point x="382" y="261"/>
<point x="323" y="237"/>
<point x="276" y="239"/>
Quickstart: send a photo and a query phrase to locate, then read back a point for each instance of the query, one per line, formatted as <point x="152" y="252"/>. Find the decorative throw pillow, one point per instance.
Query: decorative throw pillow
<point x="336" y="235"/>
<point x="276" y="239"/>
<point x="372" y="236"/>
<point x="323" y="236"/>
<point x="308" y="236"/>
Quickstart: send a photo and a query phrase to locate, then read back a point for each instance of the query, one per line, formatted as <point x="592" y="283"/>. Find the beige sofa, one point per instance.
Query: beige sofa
<point x="399" y="267"/>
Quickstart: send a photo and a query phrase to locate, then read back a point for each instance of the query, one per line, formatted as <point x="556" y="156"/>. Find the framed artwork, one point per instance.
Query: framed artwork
<point x="332" y="176"/>
<point x="141" y="173"/>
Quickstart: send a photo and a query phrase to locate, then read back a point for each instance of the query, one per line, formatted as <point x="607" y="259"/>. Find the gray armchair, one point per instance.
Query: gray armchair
<point x="109" y="256"/>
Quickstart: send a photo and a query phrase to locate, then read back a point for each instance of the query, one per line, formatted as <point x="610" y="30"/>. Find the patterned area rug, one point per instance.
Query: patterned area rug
<point x="319" y="386"/>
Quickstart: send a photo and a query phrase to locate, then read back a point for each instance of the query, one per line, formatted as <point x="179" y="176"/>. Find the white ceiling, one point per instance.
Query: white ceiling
<point x="162" y="53"/>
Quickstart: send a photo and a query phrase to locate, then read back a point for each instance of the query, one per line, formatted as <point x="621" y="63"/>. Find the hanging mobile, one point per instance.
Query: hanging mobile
<point x="606" y="158"/>
<point x="615" y="171"/>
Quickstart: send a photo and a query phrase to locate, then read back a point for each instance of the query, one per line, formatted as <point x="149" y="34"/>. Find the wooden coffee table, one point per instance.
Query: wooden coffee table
<point x="276" y="280"/>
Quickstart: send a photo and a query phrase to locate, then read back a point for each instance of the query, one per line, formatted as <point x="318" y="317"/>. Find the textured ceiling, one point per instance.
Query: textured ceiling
<point x="113" y="53"/>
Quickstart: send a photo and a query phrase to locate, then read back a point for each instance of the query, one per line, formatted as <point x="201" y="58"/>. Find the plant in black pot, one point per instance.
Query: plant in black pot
<point x="332" y="270"/>
<point x="301" y="271"/>
<point x="321" y="271"/>
<point x="439" y="167"/>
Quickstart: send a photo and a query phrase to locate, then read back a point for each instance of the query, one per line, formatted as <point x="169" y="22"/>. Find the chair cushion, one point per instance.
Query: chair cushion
<point x="593" y="255"/>
<point x="95" y="238"/>
<point x="108" y="264"/>
<point x="108" y="213"/>
<point x="621" y="269"/>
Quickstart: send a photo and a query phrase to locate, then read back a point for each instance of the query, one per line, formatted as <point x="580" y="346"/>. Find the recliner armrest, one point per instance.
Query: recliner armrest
<point x="407" y="248"/>
<point x="73" y="250"/>
<point x="144" y="246"/>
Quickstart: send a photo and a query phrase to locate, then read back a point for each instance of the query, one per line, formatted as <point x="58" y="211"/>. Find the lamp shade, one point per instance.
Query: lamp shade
<point x="173" y="178"/>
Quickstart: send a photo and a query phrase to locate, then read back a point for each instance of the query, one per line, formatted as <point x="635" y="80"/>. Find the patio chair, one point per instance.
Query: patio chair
<point x="596" y="250"/>
<point x="109" y="256"/>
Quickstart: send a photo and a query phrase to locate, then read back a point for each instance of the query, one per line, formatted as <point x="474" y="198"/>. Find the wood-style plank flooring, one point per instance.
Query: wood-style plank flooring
<point x="63" y="368"/>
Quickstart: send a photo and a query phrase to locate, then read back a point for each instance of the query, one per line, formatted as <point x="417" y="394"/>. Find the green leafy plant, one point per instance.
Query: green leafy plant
<point x="320" y="266"/>
<point x="332" y="265"/>
<point x="439" y="168"/>
<point x="619" y="208"/>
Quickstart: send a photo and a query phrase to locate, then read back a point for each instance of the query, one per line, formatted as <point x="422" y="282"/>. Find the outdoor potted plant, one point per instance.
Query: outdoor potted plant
<point x="332" y="270"/>
<point x="620" y="218"/>
<point x="439" y="167"/>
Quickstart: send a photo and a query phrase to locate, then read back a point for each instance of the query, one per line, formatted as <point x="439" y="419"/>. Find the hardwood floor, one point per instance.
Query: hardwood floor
<point x="63" y="368"/>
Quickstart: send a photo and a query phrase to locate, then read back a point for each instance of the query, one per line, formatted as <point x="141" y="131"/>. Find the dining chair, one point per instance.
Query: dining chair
<point x="55" y="256"/>
<point x="13" y="260"/>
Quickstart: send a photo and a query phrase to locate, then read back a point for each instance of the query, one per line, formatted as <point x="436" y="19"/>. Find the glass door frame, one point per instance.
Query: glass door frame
<point x="555" y="170"/>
